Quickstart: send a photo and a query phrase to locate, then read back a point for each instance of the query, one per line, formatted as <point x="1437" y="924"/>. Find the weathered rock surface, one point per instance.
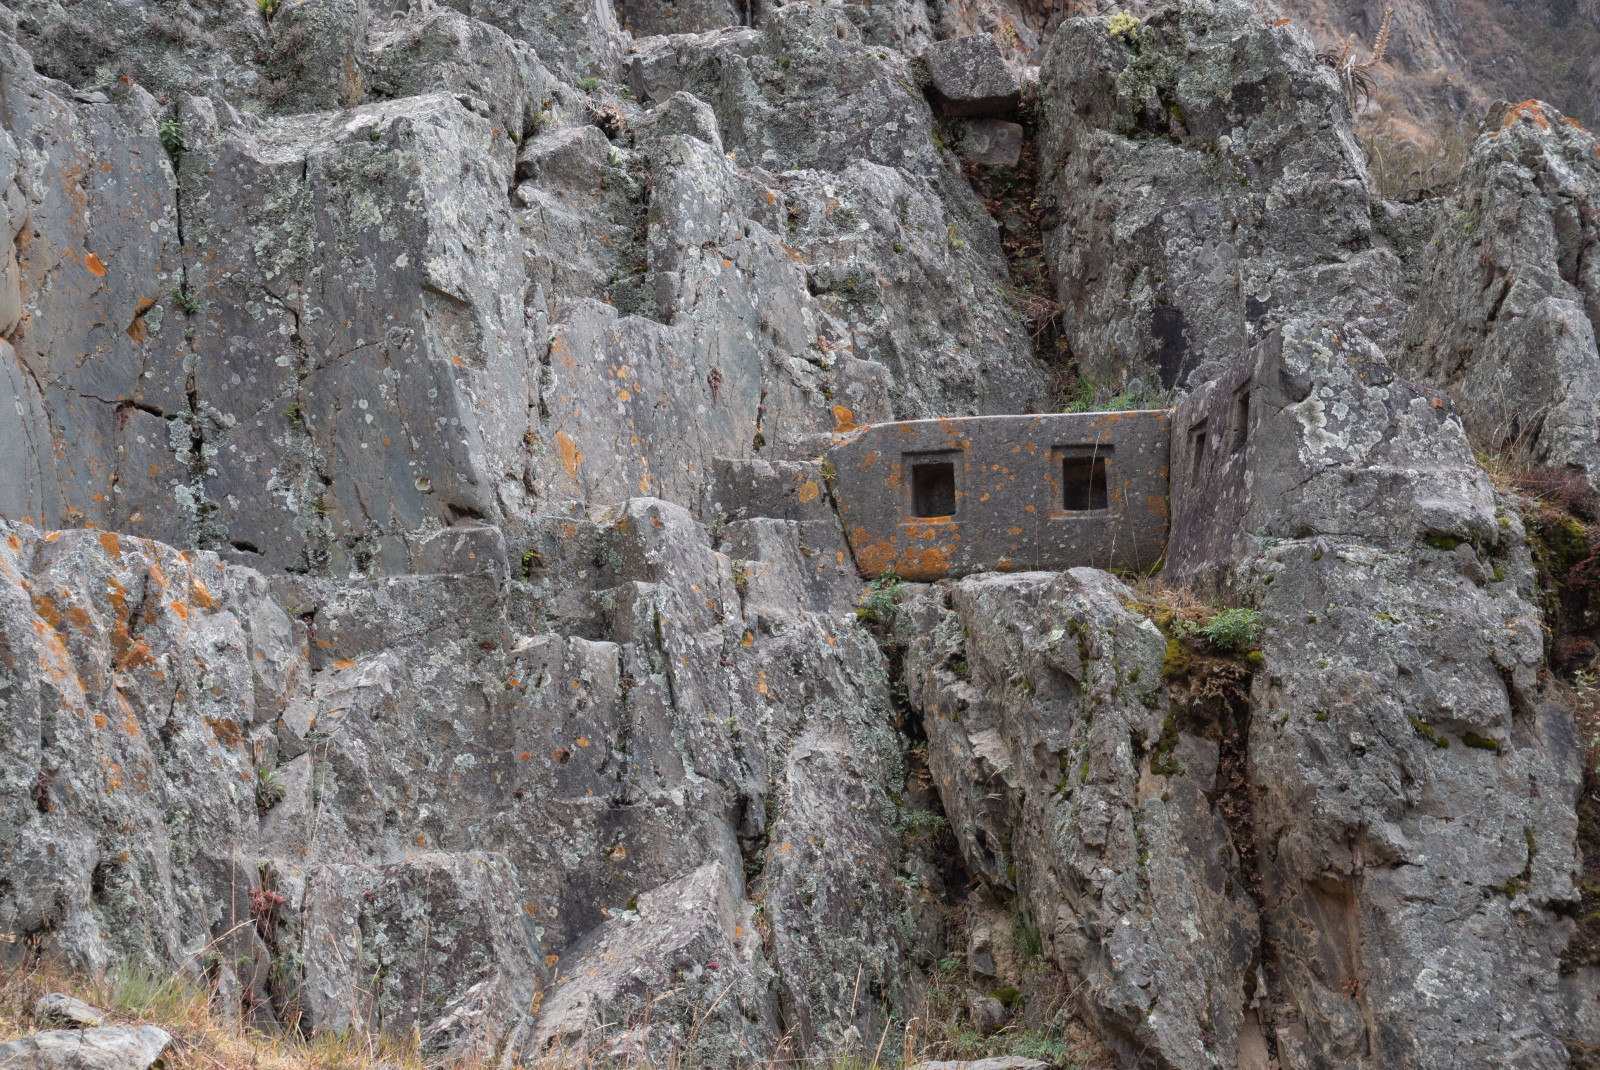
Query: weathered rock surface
<point x="60" y="1007"/>
<point x="969" y="76"/>
<point x="1505" y="321"/>
<point x="1039" y="692"/>
<point x="424" y="607"/>
<point x="1415" y="773"/>
<point x="108" y="1048"/>
<point x="1203" y="185"/>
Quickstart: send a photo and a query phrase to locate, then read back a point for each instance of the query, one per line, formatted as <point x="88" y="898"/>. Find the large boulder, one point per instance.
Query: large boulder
<point x="1202" y="184"/>
<point x="1505" y="321"/>
<point x="1070" y="780"/>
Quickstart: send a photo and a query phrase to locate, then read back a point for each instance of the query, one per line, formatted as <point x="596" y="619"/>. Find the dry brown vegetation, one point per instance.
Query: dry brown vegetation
<point x="204" y="1038"/>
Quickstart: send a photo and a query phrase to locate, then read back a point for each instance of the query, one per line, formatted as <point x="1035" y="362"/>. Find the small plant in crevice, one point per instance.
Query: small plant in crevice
<point x="879" y="599"/>
<point x="184" y="298"/>
<point x="268" y="8"/>
<point x="921" y="825"/>
<point x="1233" y="630"/>
<point x="743" y="576"/>
<point x="269" y="789"/>
<point x="171" y="134"/>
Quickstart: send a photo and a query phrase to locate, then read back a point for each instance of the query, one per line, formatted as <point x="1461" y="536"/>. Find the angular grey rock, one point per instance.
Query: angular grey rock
<point x="687" y="952"/>
<point x="1505" y="321"/>
<point x="1203" y="185"/>
<point x="999" y="1062"/>
<point x="107" y="1048"/>
<point x="1312" y="434"/>
<point x="1049" y="738"/>
<point x="991" y="142"/>
<point x="1416" y="782"/>
<point x="60" y="1007"/>
<point x="986" y="1013"/>
<point x="969" y="76"/>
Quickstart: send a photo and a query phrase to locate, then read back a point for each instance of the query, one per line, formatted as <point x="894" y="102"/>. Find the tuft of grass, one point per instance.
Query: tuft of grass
<point x="269" y="789"/>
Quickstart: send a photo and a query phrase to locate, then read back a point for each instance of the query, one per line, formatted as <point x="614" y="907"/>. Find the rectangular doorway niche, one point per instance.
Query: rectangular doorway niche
<point x="933" y="488"/>
<point x="1083" y="480"/>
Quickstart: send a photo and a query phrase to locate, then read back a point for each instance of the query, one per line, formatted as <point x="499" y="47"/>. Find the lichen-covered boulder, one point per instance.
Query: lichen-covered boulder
<point x="1505" y="320"/>
<point x="1070" y="780"/>
<point x="969" y="76"/>
<point x="1202" y="184"/>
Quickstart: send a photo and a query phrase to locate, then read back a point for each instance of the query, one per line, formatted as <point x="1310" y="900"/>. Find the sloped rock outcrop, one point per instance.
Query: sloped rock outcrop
<point x="1202" y="184"/>
<point x="440" y="781"/>
<point x="1039" y="693"/>
<point x="1505" y="321"/>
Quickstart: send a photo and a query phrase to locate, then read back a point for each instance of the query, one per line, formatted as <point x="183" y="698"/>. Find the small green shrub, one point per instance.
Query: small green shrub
<point x="920" y="825"/>
<point x="589" y="85"/>
<point x="171" y="134"/>
<point x="1233" y="629"/>
<point x="878" y="601"/>
<point x="268" y="8"/>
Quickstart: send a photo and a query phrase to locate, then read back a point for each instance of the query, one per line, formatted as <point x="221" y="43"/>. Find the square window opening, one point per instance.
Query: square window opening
<point x="1083" y="484"/>
<point x="933" y="489"/>
<point x="1241" y="422"/>
<point x="1197" y="443"/>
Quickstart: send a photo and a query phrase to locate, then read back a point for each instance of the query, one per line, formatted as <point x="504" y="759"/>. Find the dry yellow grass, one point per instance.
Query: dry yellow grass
<point x="203" y="1038"/>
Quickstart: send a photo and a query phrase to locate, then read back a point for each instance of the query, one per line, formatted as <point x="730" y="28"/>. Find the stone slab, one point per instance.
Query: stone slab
<point x="1009" y="500"/>
<point x="969" y="76"/>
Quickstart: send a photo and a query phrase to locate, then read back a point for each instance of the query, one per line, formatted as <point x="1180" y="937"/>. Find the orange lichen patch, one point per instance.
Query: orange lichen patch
<point x="808" y="492"/>
<point x="344" y="663"/>
<point x="1527" y="109"/>
<point x="96" y="266"/>
<point x="180" y="609"/>
<point x="200" y="596"/>
<point x="226" y="731"/>
<point x="618" y="853"/>
<point x="582" y="742"/>
<point x="571" y="456"/>
<point x="1156" y="504"/>
<point x="1280" y="22"/>
<point x="874" y="557"/>
<point x="131" y="725"/>
<point x="100" y="720"/>
<point x="925" y="563"/>
<point x="111" y="544"/>
<point x="749" y="639"/>
<point x="843" y="418"/>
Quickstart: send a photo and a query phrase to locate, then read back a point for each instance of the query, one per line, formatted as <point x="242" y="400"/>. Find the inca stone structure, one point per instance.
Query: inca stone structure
<point x="933" y="498"/>
<point x="455" y="456"/>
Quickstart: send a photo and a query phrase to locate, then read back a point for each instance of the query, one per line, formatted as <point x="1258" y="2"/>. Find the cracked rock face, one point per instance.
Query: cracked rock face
<point x="424" y="605"/>
<point x="1505" y="321"/>
<point x="1203" y="184"/>
<point x="1039" y="692"/>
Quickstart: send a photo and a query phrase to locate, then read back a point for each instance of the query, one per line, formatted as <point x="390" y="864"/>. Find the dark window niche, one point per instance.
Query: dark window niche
<point x="1241" y="421"/>
<point x="1197" y="445"/>
<point x="1083" y="482"/>
<point x="933" y="489"/>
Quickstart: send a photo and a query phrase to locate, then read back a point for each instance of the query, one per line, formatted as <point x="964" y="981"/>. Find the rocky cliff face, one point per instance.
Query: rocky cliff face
<point x="423" y="606"/>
